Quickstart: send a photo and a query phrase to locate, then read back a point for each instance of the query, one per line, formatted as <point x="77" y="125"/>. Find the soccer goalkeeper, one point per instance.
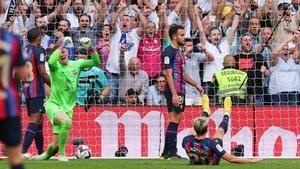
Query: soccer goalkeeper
<point x="204" y="151"/>
<point x="59" y="107"/>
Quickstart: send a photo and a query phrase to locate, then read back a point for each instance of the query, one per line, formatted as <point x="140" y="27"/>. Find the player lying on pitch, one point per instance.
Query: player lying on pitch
<point x="59" y="107"/>
<point x="204" y="151"/>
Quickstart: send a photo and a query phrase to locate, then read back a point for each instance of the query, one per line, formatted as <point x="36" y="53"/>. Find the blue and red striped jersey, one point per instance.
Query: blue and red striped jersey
<point x="173" y="59"/>
<point x="35" y="88"/>
<point x="11" y="56"/>
<point x="205" y="151"/>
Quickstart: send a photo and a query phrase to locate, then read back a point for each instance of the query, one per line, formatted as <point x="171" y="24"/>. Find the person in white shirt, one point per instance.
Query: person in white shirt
<point x="284" y="83"/>
<point x="218" y="46"/>
<point x="126" y="34"/>
<point x="193" y="96"/>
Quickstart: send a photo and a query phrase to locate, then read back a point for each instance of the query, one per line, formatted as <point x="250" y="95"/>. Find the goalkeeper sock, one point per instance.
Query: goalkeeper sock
<point x="171" y="136"/>
<point x="51" y="151"/>
<point x="224" y="123"/>
<point x="63" y="136"/>
<point x="29" y="136"/>
<point x="39" y="139"/>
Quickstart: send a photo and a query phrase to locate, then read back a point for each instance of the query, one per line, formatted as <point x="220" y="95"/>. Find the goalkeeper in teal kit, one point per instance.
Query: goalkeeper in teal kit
<point x="59" y="107"/>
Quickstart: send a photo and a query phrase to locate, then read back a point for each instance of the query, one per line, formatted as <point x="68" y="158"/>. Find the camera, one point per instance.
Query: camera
<point x="285" y="8"/>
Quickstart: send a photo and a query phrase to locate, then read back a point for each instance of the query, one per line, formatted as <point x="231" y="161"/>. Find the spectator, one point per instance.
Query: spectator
<point x="285" y="77"/>
<point x="155" y="95"/>
<point x="251" y="63"/>
<point x="288" y="23"/>
<point x="229" y="82"/>
<point x="92" y="83"/>
<point x="177" y="15"/>
<point x="193" y="96"/>
<point x="86" y="30"/>
<point x="150" y="50"/>
<point x="41" y="24"/>
<point x="51" y="8"/>
<point x="254" y="28"/>
<point x="217" y="46"/>
<point x="77" y="11"/>
<point x="132" y="77"/>
<point x="104" y="46"/>
<point x="131" y="98"/>
<point x="266" y="47"/>
<point x="123" y="33"/>
<point x="63" y="30"/>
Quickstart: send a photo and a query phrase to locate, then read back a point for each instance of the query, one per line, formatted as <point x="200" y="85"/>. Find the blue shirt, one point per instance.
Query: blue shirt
<point x="35" y="88"/>
<point x="173" y="59"/>
<point x="206" y="150"/>
<point x="11" y="56"/>
<point x="157" y="97"/>
<point x="92" y="78"/>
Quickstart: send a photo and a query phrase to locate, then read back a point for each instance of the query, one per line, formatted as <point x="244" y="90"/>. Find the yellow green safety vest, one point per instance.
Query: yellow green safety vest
<point x="232" y="82"/>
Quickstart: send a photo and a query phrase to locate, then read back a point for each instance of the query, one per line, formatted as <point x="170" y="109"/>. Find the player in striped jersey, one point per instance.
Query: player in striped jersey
<point x="202" y="150"/>
<point x="11" y="60"/>
<point x="174" y="65"/>
<point x="35" y="91"/>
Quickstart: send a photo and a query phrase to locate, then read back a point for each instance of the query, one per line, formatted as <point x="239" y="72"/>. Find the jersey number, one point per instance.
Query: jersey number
<point x="4" y="72"/>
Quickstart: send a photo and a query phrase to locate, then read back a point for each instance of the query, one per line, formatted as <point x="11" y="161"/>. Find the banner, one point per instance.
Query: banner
<point x="265" y="131"/>
<point x="11" y="9"/>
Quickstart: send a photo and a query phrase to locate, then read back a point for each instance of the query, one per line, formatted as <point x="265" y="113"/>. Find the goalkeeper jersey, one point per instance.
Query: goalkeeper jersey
<point x="64" y="79"/>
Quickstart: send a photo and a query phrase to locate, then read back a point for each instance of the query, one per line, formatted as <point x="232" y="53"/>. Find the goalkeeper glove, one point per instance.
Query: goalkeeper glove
<point x="86" y="42"/>
<point x="67" y="41"/>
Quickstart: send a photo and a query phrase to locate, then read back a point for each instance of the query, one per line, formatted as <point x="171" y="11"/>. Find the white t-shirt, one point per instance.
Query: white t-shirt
<point x="112" y="64"/>
<point x="173" y="18"/>
<point x="205" y="5"/>
<point x="73" y="19"/>
<point x="285" y="77"/>
<point x="219" y="54"/>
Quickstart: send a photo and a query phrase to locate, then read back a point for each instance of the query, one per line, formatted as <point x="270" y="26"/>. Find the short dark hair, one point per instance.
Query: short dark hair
<point x="173" y="30"/>
<point x="213" y="28"/>
<point x="69" y="23"/>
<point x="131" y="92"/>
<point x="188" y="40"/>
<point x="160" y="74"/>
<point x="85" y="14"/>
<point x="33" y="34"/>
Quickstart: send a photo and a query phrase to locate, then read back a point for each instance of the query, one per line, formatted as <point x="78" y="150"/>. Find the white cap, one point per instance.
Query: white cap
<point x="283" y="1"/>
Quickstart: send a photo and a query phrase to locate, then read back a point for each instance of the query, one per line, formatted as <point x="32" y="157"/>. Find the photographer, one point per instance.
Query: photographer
<point x="93" y="84"/>
<point x="287" y="23"/>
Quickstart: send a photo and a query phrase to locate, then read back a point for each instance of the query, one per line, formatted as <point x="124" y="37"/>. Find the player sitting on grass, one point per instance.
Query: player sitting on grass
<point x="204" y="151"/>
<point x="59" y="107"/>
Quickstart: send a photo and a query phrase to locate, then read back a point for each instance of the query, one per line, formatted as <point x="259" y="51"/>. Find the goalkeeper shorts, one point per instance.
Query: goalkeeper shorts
<point x="52" y="110"/>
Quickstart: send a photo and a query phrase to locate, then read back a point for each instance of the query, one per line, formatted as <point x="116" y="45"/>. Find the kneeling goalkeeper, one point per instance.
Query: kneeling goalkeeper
<point x="59" y="107"/>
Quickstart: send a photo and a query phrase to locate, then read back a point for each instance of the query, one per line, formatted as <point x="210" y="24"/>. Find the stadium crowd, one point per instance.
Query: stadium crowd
<point x="258" y="37"/>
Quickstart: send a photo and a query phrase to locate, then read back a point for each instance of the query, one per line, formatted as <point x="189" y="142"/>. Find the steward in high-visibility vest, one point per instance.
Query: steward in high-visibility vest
<point x="229" y="82"/>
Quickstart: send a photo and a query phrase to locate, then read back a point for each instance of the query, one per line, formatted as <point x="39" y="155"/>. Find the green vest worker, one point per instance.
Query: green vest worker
<point x="229" y="82"/>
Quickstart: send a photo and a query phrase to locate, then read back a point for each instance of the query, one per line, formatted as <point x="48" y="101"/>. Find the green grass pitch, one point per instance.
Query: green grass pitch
<point x="152" y="164"/>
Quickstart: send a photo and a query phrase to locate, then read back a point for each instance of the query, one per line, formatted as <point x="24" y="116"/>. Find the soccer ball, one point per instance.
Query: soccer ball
<point x="83" y="152"/>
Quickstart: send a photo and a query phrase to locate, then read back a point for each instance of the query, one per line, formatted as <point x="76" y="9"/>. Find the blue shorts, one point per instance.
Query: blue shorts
<point x="171" y="107"/>
<point x="35" y="105"/>
<point x="10" y="131"/>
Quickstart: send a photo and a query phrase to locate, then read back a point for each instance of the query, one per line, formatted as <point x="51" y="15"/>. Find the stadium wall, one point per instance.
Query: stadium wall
<point x="264" y="131"/>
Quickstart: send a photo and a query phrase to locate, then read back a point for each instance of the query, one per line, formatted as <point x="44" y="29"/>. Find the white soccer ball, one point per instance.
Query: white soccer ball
<point x="83" y="152"/>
